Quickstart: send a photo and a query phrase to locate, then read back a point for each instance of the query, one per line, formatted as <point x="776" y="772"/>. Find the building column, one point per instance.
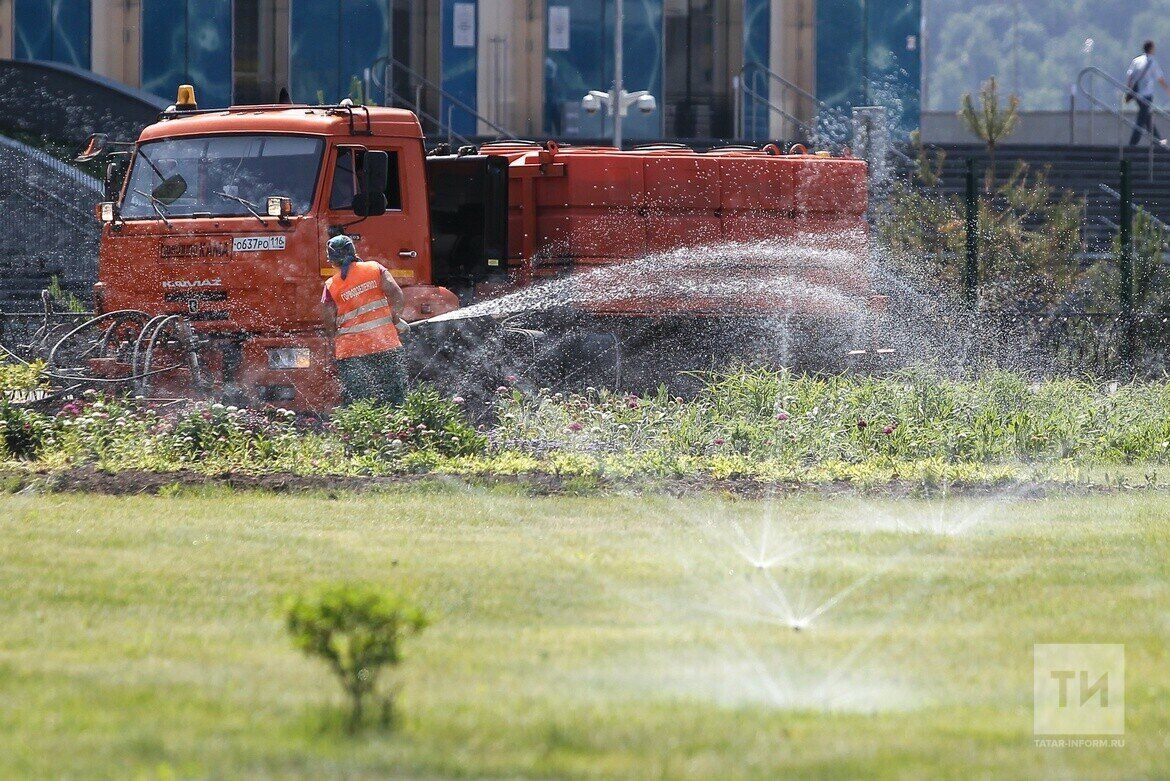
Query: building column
<point x="776" y="50"/>
<point x="493" y="90"/>
<point x="6" y="25"/>
<point x="275" y="59"/>
<point x="793" y="57"/>
<point x="260" y="50"/>
<point x="510" y="91"/>
<point x="115" y="48"/>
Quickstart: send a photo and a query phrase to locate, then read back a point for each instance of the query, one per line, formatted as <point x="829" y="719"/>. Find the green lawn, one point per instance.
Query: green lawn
<point x="605" y="636"/>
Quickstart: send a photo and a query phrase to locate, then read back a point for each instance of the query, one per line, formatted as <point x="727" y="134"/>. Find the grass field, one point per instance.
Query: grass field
<point x="602" y="636"/>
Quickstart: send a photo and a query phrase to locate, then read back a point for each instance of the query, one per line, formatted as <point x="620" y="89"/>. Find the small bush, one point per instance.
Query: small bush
<point x="205" y="430"/>
<point x="21" y="377"/>
<point x="22" y="431"/>
<point x="426" y="421"/>
<point x="357" y="631"/>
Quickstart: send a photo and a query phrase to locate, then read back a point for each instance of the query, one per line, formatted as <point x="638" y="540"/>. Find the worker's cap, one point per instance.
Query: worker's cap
<point x="341" y="248"/>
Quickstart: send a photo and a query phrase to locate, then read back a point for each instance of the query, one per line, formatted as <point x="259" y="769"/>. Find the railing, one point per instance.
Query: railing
<point x="382" y="73"/>
<point x="50" y="227"/>
<point x="59" y="167"/>
<point x="753" y="87"/>
<point x="1085" y="81"/>
<point x="1137" y="207"/>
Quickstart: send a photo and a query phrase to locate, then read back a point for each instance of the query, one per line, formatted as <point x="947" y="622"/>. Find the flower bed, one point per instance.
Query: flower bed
<point x="759" y="424"/>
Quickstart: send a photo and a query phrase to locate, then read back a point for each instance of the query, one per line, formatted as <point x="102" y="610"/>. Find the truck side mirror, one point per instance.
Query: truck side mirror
<point x="370" y="200"/>
<point x="95" y="146"/>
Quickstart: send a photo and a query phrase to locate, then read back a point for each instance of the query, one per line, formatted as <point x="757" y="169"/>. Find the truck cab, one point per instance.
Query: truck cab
<point x="222" y="218"/>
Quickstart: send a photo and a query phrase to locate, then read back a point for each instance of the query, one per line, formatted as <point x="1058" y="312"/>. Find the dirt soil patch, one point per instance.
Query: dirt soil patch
<point x="89" y="479"/>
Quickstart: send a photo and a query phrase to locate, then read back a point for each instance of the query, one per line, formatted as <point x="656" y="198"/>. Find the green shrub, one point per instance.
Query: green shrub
<point x="357" y="631"/>
<point x="107" y="430"/>
<point x="426" y="421"/>
<point x="226" y="432"/>
<point x="747" y="418"/>
<point x="746" y="423"/>
<point x="18" y="377"/>
<point x="22" y="431"/>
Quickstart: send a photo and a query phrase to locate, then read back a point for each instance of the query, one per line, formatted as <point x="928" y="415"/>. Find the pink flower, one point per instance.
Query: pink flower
<point x="719" y="441"/>
<point x="575" y="426"/>
<point x="73" y="408"/>
<point x="457" y="399"/>
<point x="888" y="430"/>
<point x="502" y="389"/>
<point x="861" y="424"/>
<point x="511" y="378"/>
<point x="781" y="415"/>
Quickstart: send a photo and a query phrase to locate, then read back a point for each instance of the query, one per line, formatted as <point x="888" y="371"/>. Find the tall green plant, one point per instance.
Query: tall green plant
<point x="929" y="168"/>
<point x="63" y="299"/>
<point x="1150" y="242"/>
<point x="990" y="122"/>
<point x="1030" y="240"/>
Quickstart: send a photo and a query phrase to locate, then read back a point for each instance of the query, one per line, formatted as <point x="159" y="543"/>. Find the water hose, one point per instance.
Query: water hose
<point x="52" y="358"/>
<point x="148" y="356"/>
<point x="135" y="375"/>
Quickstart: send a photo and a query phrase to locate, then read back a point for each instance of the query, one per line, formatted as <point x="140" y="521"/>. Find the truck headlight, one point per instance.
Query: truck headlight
<point x="288" y="357"/>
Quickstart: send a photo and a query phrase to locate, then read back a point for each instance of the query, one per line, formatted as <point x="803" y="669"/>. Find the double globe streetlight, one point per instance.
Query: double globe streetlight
<point x="617" y="102"/>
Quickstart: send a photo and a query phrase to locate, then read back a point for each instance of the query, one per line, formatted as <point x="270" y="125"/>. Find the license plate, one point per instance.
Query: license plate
<point x="257" y="243"/>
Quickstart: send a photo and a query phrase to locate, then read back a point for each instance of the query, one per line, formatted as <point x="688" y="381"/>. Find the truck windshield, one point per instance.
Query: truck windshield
<point x="221" y="176"/>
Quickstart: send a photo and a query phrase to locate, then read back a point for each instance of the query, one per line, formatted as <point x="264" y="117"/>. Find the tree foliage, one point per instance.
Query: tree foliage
<point x="991" y="121"/>
<point x="1036" y="48"/>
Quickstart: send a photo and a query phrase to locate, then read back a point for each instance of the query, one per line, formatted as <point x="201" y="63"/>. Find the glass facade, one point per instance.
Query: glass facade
<point x="685" y="52"/>
<point x="579" y="58"/>
<point x="188" y="42"/>
<point x="869" y="53"/>
<point x="459" y="51"/>
<point x="757" y="43"/>
<point x="332" y="43"/>
<point x="53" y="30"/>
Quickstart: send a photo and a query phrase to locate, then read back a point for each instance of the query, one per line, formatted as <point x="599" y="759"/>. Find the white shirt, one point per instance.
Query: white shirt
<point x="1153" y="74"/>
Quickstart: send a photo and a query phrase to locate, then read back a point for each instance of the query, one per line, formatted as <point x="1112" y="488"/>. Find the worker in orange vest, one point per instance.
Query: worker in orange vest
<point x="362" y="311"/>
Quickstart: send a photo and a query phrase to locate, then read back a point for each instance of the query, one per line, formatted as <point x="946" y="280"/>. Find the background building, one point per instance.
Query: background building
<point x="719" y="68"/>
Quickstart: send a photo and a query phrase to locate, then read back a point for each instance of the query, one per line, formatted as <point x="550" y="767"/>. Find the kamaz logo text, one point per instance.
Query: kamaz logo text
<point x="190" y="284"/>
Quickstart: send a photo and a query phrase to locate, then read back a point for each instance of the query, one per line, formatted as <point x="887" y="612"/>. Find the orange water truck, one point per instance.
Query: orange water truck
<point x="548" y="263"/>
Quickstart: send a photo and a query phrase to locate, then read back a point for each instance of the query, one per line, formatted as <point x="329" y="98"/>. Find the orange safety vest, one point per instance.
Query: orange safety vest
<point x="365" y="319"/>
